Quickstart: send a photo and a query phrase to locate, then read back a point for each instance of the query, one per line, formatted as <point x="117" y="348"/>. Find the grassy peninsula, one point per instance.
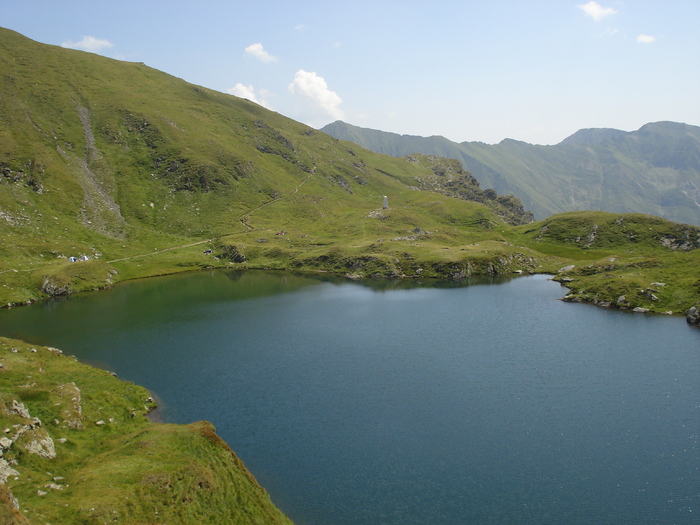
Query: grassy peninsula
<point x="112" y="170"/>
<point x="77" y="448"/>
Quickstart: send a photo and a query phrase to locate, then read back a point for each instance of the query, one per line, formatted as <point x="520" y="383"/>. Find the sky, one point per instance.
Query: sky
<point x="469" y="70"/>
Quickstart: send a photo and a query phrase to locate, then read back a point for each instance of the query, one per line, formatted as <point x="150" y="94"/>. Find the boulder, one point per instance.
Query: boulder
<point x="692" y="316"/>
<point x="571" y="298"/>
<point x="5" y="443"/>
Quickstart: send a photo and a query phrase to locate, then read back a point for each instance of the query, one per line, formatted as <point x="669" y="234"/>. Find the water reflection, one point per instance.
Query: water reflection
<point x="429" y="402"/>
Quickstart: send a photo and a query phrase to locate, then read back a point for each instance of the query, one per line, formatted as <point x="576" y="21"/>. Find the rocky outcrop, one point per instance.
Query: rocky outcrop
<point x="6" y="471"/>
<point x="71" y="411"/>
<point x="233" y="253"/>
<point x="19" y="409"/>
<point x="692" y="316"/>
<point x="55" y="286"/>
<point x="686" y="238"/>
<point x="26" y="434"/>
<point x="450" y="179"/>
<point x="37" y="441"/>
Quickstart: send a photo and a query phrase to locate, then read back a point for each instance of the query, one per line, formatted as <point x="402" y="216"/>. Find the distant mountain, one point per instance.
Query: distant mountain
<point x="654" y="170"/>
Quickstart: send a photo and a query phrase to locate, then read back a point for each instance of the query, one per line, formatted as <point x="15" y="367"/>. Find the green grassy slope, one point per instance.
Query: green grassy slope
<point x="111" y="160"/>
<point x="655" y="170"/>
<point x="146" y="174"/>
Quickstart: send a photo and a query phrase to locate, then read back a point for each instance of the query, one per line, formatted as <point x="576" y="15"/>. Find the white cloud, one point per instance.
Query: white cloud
<point x="242" y="91"/>
<point x="300" y="27"/>
<point x="646" y="39"/>
<point x="89" y="43"/>
<point x="315" y="90"/>
<point x="258" y="52"/>
<point x="596" y="11"/>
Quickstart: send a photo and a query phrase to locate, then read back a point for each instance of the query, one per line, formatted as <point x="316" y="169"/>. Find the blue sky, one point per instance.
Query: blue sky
<point x="531" y="70"/>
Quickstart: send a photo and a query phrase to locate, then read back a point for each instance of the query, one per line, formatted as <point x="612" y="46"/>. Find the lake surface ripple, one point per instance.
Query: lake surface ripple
<point x="368" y="403"/>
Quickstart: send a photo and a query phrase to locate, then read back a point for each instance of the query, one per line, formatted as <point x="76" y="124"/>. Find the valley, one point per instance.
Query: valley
<point x="653" y="170"/>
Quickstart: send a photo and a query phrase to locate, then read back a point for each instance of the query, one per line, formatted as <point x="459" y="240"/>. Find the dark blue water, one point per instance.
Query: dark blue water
<point x="361" y="404"/>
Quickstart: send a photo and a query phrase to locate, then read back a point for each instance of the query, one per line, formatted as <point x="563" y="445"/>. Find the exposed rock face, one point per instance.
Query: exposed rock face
<point x="234" y="253"/>
<point x="19" y="409"/>
<point x="6" y="471"/>
<point x="693" y="315"/>
<point x="37" y="441"/>
<point x="450" y="179"/>
<point x="687" y="238"/>
<point x="29" y="436"/>
<point x="55" y="287"/>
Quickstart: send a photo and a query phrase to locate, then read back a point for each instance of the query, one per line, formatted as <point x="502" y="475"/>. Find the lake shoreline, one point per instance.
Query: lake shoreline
<point x="85" y="447"/>
<point x="590" y="298"/>
<point x="227" y="373"/>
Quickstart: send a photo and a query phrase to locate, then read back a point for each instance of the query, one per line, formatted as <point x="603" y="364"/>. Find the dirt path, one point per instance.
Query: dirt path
<point x="159" y="251"/>
<point x="244" y="218"/>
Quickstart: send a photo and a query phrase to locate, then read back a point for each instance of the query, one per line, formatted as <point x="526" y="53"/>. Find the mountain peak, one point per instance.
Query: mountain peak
<point x="592" y="169"/>
<point x="592" y="136"/>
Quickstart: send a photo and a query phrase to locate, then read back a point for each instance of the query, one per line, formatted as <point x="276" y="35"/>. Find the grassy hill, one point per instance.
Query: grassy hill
<point x="111" y="159"/>
<point x="144" y="174"/>
<point x="655" y="170"/>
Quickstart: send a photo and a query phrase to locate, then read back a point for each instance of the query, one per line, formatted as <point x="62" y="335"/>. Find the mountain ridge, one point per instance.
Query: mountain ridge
<point x="654" y="170"/>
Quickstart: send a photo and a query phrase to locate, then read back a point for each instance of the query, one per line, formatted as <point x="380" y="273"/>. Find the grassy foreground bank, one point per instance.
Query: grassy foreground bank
<point x="77" y="448"/>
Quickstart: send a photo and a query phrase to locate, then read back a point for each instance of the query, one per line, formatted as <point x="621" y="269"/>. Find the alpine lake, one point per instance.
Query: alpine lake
<point x="487" y="401"/>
